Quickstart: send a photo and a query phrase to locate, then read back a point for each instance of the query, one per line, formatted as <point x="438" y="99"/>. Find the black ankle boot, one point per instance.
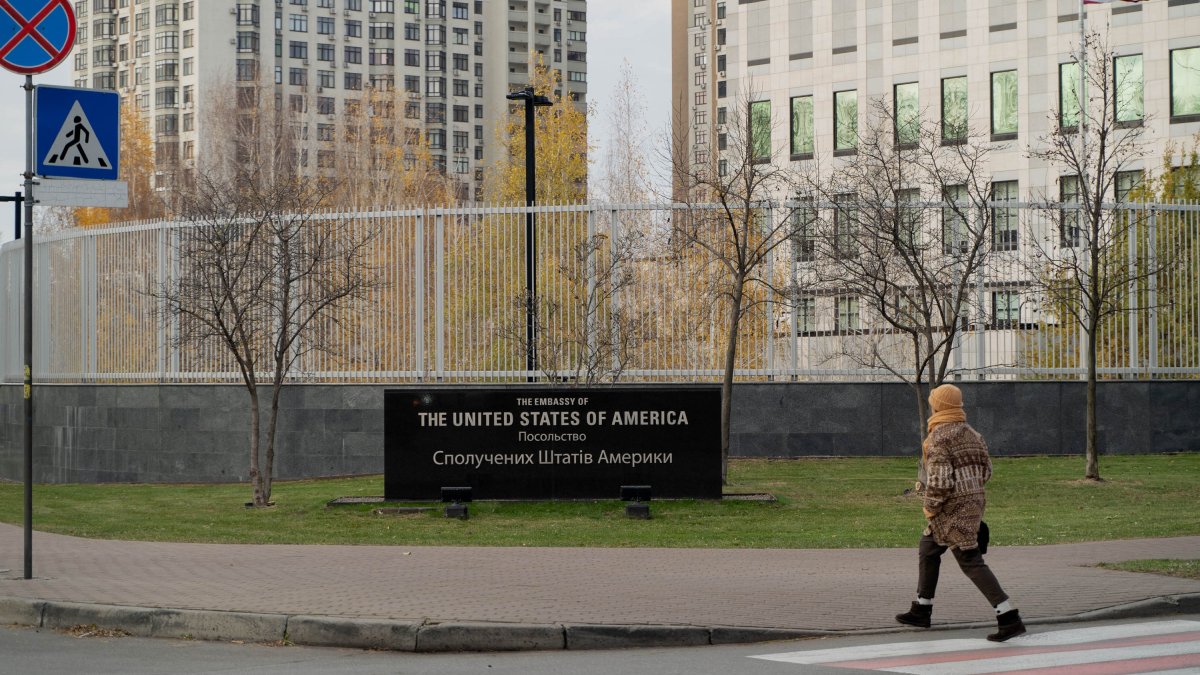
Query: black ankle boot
<point x="1009" y="624"/>
<point x="918" y="616"/>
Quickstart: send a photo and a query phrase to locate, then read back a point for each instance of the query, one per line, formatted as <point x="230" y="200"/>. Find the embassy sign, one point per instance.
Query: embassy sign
<point x="536" y="443"/>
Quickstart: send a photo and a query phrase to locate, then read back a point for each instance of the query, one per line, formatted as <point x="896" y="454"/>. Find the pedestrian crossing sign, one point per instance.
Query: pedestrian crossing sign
<point x="77" y="132"/>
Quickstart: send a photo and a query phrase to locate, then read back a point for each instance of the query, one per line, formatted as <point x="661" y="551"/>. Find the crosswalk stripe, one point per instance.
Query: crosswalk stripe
<point x="1120" y="649"/>
<point x="1054" y="661"/>
<point x="1127" y="667"/>
<point x="896" y="662"/>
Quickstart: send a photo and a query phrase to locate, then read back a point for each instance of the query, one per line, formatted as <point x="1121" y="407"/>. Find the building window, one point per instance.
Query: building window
<point x="1068" y="96"/>
<point x="1126" y="183"/>
<point x="908" y="221"/>
<point x="383" y="30"/>
<point x="166" y="42"/>
<point x="247" y="70"/>
<point x="298" y="22"/>
<point x="352" y="81"/>
<point x="954" y="220"/>
<point x="1005" y="219"/>
<point x="760" y="131"/>
<point x="1128" y="87"/>
<point x="1004" y="105"/>
<point x="247" y="14"/>
<point x="1006" y="309"/>
<point x="805" y="224"/>
<point x="247" y="42"/>
<point x="166" y="69"/>
<point x="845" y="121"/>
<point x="353" y="55"/>
<point x="847" y="318"/>
<point x="1185" y="84"/>
<point x="907" y="114"/>
<point x="954" y="109"/>
<point x="298" y="50"/>
<point x="806" y="315"/>
<point x="803" y="132"/>
<point x="845" y="226"/>
<point x="1070" y="215"/>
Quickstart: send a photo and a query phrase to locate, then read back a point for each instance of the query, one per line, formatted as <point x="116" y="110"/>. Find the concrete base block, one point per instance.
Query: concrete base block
<point x="624" y="637"/>
<point x="488" y="637"/>
<point x="326" y="631"/>
<point x="21" y="611"/>
<point x="170" y="623"/>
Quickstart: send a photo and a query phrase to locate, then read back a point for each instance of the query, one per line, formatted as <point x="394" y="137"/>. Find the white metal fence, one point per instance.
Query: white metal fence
<point x="619" y="298"/>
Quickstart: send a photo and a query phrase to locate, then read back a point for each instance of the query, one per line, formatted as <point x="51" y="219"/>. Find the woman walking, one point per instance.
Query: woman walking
<point x="957" y="463"/>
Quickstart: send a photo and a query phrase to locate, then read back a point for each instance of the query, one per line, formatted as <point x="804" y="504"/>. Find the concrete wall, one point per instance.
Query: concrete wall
<point x="197" y="433"/>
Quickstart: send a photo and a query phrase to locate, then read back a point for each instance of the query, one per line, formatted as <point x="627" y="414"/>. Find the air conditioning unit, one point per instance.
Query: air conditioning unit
<point x="305" y="62"/>
<point x="345" y="12"/>
<point x="233" y="11"/>
<point x="233" y="41"/>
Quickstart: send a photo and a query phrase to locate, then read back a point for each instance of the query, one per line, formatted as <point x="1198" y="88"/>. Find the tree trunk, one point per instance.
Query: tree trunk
<point x="255" y="470"/>
<point x="1092" y="471"/>
<point x="922" y="415"/>
<point x="735" y="318"/>
<point x="1092" y="319"/>
<point x="272" y="423"/>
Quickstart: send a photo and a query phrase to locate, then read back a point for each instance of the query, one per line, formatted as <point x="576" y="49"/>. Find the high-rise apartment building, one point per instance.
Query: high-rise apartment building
<point x="450" y="61"/>
<point x="1002" y="69"/>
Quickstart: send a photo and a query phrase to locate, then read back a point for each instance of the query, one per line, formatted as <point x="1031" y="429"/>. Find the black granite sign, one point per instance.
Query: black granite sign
<point x="534" y="443"/>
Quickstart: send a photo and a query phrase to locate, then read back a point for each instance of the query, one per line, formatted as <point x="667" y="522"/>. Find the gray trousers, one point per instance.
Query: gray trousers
<point x="970" y="561"/>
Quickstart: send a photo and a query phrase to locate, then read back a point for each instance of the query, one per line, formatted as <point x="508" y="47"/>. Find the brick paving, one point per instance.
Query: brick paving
<point x="846" y="589"/>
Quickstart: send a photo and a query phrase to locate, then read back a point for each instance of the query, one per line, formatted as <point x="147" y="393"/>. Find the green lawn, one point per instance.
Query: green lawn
<point x="1187" y="569"/>
<point x="821" y="503"/>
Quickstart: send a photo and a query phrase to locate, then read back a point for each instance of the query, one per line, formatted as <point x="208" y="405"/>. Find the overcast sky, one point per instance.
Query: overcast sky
<point x="618" y="30"/>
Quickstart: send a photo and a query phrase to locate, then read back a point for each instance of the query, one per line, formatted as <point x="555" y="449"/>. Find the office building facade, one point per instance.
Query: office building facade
<point x="449" y="63"/>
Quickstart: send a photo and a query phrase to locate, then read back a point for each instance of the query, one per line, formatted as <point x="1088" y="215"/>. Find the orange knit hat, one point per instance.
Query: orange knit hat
<point x="945" y="397"/>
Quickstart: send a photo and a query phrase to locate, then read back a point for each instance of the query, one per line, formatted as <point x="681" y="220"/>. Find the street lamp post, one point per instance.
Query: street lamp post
<point x="531" y="100"/>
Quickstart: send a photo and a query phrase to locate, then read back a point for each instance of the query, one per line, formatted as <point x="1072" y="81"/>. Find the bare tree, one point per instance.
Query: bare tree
<point x="590" y="335"/>
<point x="735" y="221"/>
<point x="626" y="174"/>
<point x="901" y="225"/>
<point x="260" y="275"/>
<point x="1082" y="268"/>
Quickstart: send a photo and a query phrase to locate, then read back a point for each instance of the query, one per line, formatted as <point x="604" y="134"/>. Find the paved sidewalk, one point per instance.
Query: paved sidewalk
<point x="450" y="598"/>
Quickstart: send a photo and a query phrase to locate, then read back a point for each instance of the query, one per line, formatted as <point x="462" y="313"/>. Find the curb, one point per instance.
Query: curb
<point x="427" y="636"/>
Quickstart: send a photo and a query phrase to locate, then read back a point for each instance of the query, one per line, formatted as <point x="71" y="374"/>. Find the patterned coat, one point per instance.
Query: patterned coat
<point x="958" y="465"/>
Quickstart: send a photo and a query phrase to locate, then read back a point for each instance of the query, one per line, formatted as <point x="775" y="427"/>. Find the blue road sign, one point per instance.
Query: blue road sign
<point x="35" y="35"/>
<point x="77" y="132"/>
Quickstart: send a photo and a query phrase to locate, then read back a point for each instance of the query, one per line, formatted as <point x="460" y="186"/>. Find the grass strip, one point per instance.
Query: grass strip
<point x="820" y="503"/>
<point x="1185" y="569"/>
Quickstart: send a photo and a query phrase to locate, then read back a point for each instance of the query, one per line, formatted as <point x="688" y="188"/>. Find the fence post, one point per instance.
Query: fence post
<point x="439" y="293"/>
<point x="794" y="327"/>
<point x="769" y="226"/>
<point x="419" y="294"/>
<point x="614" y="301"/>
<point x="1131" y="221"/>
<point x="1152" y="292"/>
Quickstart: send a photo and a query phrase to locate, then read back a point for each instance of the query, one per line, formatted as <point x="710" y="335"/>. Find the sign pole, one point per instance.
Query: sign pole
<point x="28" y="388"/>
